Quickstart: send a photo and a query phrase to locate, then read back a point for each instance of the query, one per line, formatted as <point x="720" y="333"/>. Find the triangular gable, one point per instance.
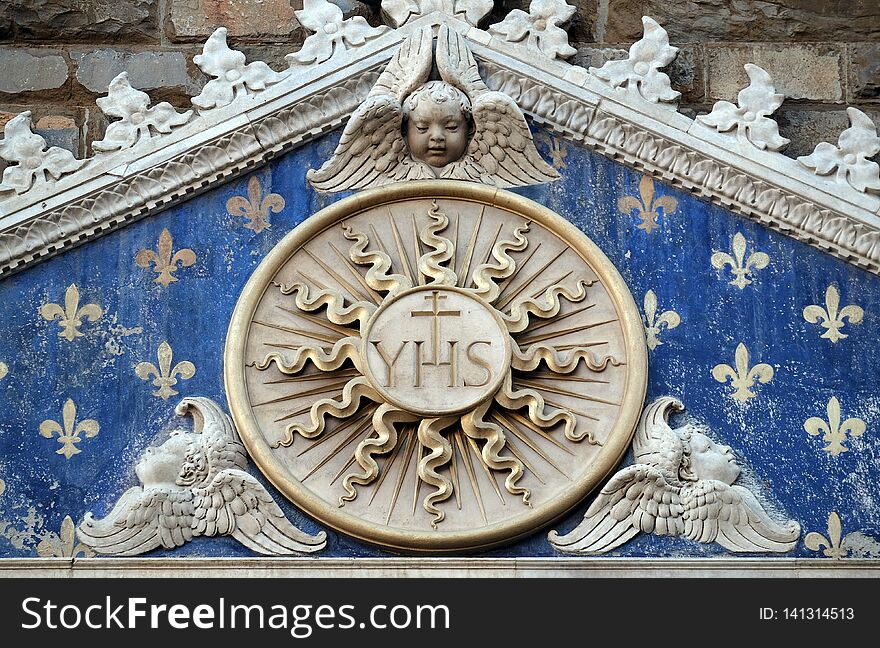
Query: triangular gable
<point x="607" y="111"/>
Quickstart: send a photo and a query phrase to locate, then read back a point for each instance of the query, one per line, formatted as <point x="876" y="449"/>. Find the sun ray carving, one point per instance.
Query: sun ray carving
<point x="434" y="388"/>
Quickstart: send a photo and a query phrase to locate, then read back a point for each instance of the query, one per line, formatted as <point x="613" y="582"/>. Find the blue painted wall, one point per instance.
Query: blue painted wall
<point x="787" y="467"/>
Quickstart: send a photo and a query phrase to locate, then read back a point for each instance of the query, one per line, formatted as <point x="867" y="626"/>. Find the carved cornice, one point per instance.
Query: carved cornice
<point x="828" y="211"/>
<point x="438" y="567"/>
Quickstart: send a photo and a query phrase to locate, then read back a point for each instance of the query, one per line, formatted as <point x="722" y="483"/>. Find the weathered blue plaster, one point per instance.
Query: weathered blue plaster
<point x="785" y="466"/>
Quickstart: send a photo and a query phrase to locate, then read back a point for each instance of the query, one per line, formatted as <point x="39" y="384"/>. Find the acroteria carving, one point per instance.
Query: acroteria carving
<point x="682" y="484"/>
<point x="410" y="128"/>
<point x="403" y="344"/>
<point x="195" y="484"/>
<point x="829" y="210"/>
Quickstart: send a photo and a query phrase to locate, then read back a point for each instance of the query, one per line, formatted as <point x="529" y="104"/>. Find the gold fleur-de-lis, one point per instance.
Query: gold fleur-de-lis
<point x="2" y="486"/>
<point x="4" y="369"/>
<point x="834" y="547"/>
<point x="831" y="318"/>
<point x="69" y="432"/>
<point x="63" y="545"/>
<point x="742" y="378"/>
<point x="71" y="315"/>
<point x="163" y="262"/>
<point x="254" y="208"/>
<point x="834" y="432"/>
<point x="669" y="318"/>
<point x="740" y="266"/>
<point x="648" y="207"/>
<point x="557" y="149"/>
<point x="165" y="375"/>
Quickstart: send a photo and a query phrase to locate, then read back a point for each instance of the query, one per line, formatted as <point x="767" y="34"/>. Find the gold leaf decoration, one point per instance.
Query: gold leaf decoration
<point x="255" y="208"/>
<point x="165" y="374"/>
<point x="741" y="266"/>
<point x="742" y="378"/>
<point x="830" y="317"/>
<point x="646" y="206"/>
<point x="71" y="315"/>
<point x="557" y="149"/>
<point x="4" y="369"/>
<point x="834" y="432"/>
<point x="69" y="430"/>
<point x="164" y="263"/>
<point x="838" y="546"/>
<point x="670" y="319"/>
<point x="63" y="545"/>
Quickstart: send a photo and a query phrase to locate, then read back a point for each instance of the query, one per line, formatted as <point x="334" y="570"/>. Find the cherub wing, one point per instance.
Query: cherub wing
<point x="142" y="520"/>
<point x="372" y="150"/>
<point x="236" y="504"/>
<point x="223" y="448"/>
<point x="501" y="151"/>
<point x="733" y="517"/>
<point x="639" y="498"/>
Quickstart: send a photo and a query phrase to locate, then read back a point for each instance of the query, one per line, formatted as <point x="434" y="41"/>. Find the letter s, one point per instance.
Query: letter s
<point x="24" y="607"/>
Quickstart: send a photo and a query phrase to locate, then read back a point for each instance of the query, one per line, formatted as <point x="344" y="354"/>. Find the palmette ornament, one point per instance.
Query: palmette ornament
<point x="195" y="484"/>
<point x="682" y="484"/>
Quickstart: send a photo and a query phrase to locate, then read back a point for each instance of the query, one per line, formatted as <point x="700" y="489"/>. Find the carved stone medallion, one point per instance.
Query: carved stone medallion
<point x="436" y="366"/>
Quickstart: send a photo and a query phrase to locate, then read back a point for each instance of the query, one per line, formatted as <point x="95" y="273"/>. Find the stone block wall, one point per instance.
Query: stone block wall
<point x="58" y="56"/>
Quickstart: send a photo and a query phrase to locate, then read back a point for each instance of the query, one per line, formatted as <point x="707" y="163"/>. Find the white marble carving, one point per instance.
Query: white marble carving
<point x="139" y="120"/>
<point x="195" y="484"/>
<point x="332" y="35"/>
<point x="540" y="30"/>
<point x="410" y="128"/>
<point x="640" y="72"/>
<point x="765" y="186"/>
<point x="682" y="484"/>
<point x="400" y="12"/>
<point x="31" y="164"/>
<point x="750" y="118"/>
<point x="232" y="77"/>
<point x="850" y="157"/>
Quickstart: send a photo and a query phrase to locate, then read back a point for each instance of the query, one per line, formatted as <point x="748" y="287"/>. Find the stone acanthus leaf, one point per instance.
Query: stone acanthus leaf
<point x="665" y="495"/>
<point x="539" y="30"/>
<point x="850" y="157"/>
<point x="211" y="494"/>
<point x="139" y="120"/>
<point x="750" y="118"/>
<point x="31" y="163"/>
<point x="641" y="70"/>
<point x="400" y="12"/>
<point x="332" y="35"/>
<point x="232" y="77"/>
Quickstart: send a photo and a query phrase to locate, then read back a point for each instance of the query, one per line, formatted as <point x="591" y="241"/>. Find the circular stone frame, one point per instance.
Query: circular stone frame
<point x="434" y="542"/>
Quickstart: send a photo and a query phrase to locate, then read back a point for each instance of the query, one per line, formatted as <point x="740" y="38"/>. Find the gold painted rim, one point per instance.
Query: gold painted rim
<point x="400" y="540"/>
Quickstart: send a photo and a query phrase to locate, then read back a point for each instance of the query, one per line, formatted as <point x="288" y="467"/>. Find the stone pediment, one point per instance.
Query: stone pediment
<point x="627" y="110"/>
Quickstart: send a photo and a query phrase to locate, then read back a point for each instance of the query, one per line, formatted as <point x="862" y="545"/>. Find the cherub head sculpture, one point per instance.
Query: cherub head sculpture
<point x="195" y="484"/>
<point x="682" y="484"/>
<point x="686" y="453"/>
<point x="438" y="123"/>
<point x="412" y="128"/>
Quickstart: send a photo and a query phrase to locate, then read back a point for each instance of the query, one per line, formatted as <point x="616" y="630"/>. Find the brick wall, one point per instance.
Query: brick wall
<point x="58" y="56"/>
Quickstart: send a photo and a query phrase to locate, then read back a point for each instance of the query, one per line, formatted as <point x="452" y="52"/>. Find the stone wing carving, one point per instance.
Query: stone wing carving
<point x="372" y="150"/>
<point x="501" y="151"/>
<point x="375" y="151"/>
<point x="681" y="485"/>
<point x="194" y="485"/>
